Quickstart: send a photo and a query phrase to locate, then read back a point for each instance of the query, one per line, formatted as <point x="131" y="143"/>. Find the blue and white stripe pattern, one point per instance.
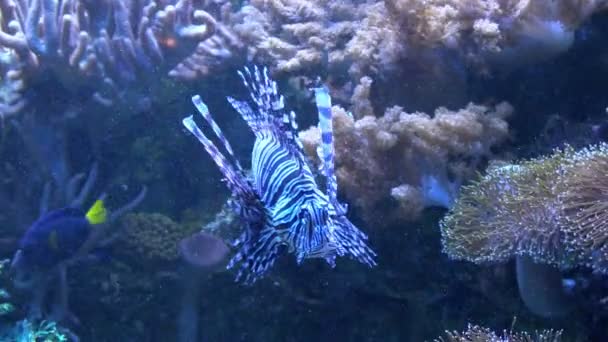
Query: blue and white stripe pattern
<point x="282" y="205"/>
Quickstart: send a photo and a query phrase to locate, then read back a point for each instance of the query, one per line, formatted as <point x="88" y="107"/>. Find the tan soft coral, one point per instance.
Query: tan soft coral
<point x="299" y="36"/>
<point x="376" y="46"/>
<point x="413" y="160"/>
<point x="507" y="32"/>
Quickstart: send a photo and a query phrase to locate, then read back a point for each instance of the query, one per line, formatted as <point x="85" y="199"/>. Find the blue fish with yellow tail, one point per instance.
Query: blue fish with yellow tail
<point x="59" y="235"/>
<point x="281" y="203"/>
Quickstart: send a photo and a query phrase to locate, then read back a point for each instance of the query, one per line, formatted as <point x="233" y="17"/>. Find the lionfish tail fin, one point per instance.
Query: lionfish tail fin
<point x="255" y="256"/>
<point x="270" y="115"/>
<point x="326" y="150"/>
<point x="353" y="242"/>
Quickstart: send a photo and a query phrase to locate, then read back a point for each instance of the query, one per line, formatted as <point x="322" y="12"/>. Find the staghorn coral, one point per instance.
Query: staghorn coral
<point x="11" y="85"/>
<point x="414" y="160"/>
<point x="475" y="333"/>
<point x="216" y="45"/>
<point x="549" y="208"/>
<point x="113" y="43"/>
<point x="153" y="237"/>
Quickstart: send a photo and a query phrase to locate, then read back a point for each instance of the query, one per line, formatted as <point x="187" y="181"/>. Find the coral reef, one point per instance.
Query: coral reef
<point x="475" y="333"/>
<point x="418" y="42"/>
<point x="413" y="160"/>
<point x="369" y="38"/>
<point x="108" y="49"/>
<point x="388" y="64"/>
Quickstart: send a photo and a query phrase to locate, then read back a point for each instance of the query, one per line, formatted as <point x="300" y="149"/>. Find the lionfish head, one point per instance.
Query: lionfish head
<point x="315" y="234"/>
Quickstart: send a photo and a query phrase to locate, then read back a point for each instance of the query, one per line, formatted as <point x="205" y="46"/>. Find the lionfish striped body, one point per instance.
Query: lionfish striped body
<point x="281" y="204"/>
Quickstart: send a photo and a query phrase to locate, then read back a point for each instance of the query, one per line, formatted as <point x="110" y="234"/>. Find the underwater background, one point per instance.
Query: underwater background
<point x="469" y="148"/>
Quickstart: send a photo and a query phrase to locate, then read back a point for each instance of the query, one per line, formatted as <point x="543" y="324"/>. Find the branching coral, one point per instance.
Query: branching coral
<point x="113" y="42"/>
<point x="475" y="333"/>
<point x="11" y="85"/>
<point x="416" y="159"/>
<point x="206" y="27"/>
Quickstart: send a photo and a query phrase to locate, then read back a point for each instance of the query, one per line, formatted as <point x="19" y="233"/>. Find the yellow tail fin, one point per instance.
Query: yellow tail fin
<point x="98" y="213"/>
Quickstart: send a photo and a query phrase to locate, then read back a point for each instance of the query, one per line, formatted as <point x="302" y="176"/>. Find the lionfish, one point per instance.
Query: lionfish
<point x="280" y="203"/>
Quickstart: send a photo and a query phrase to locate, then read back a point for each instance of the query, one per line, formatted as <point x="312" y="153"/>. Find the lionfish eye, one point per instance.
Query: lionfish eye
<point x="303" y="215"/>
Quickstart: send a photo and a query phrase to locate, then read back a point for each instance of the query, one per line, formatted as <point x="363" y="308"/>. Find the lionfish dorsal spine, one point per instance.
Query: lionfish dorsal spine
<point x="326" y="150"/>
<point x="270" y="115"/>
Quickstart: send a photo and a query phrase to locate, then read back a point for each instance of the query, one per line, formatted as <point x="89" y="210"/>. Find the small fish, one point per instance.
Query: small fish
<point x="59" y="234"/>
<point x="281" y="204"/>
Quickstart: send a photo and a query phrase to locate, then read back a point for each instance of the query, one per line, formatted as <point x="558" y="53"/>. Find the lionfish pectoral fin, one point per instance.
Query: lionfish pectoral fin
<point x="331" y="260"/>
<point x="256" y="256"/>
<point x="210" y="147"/>
<point x="353" y="242"/>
